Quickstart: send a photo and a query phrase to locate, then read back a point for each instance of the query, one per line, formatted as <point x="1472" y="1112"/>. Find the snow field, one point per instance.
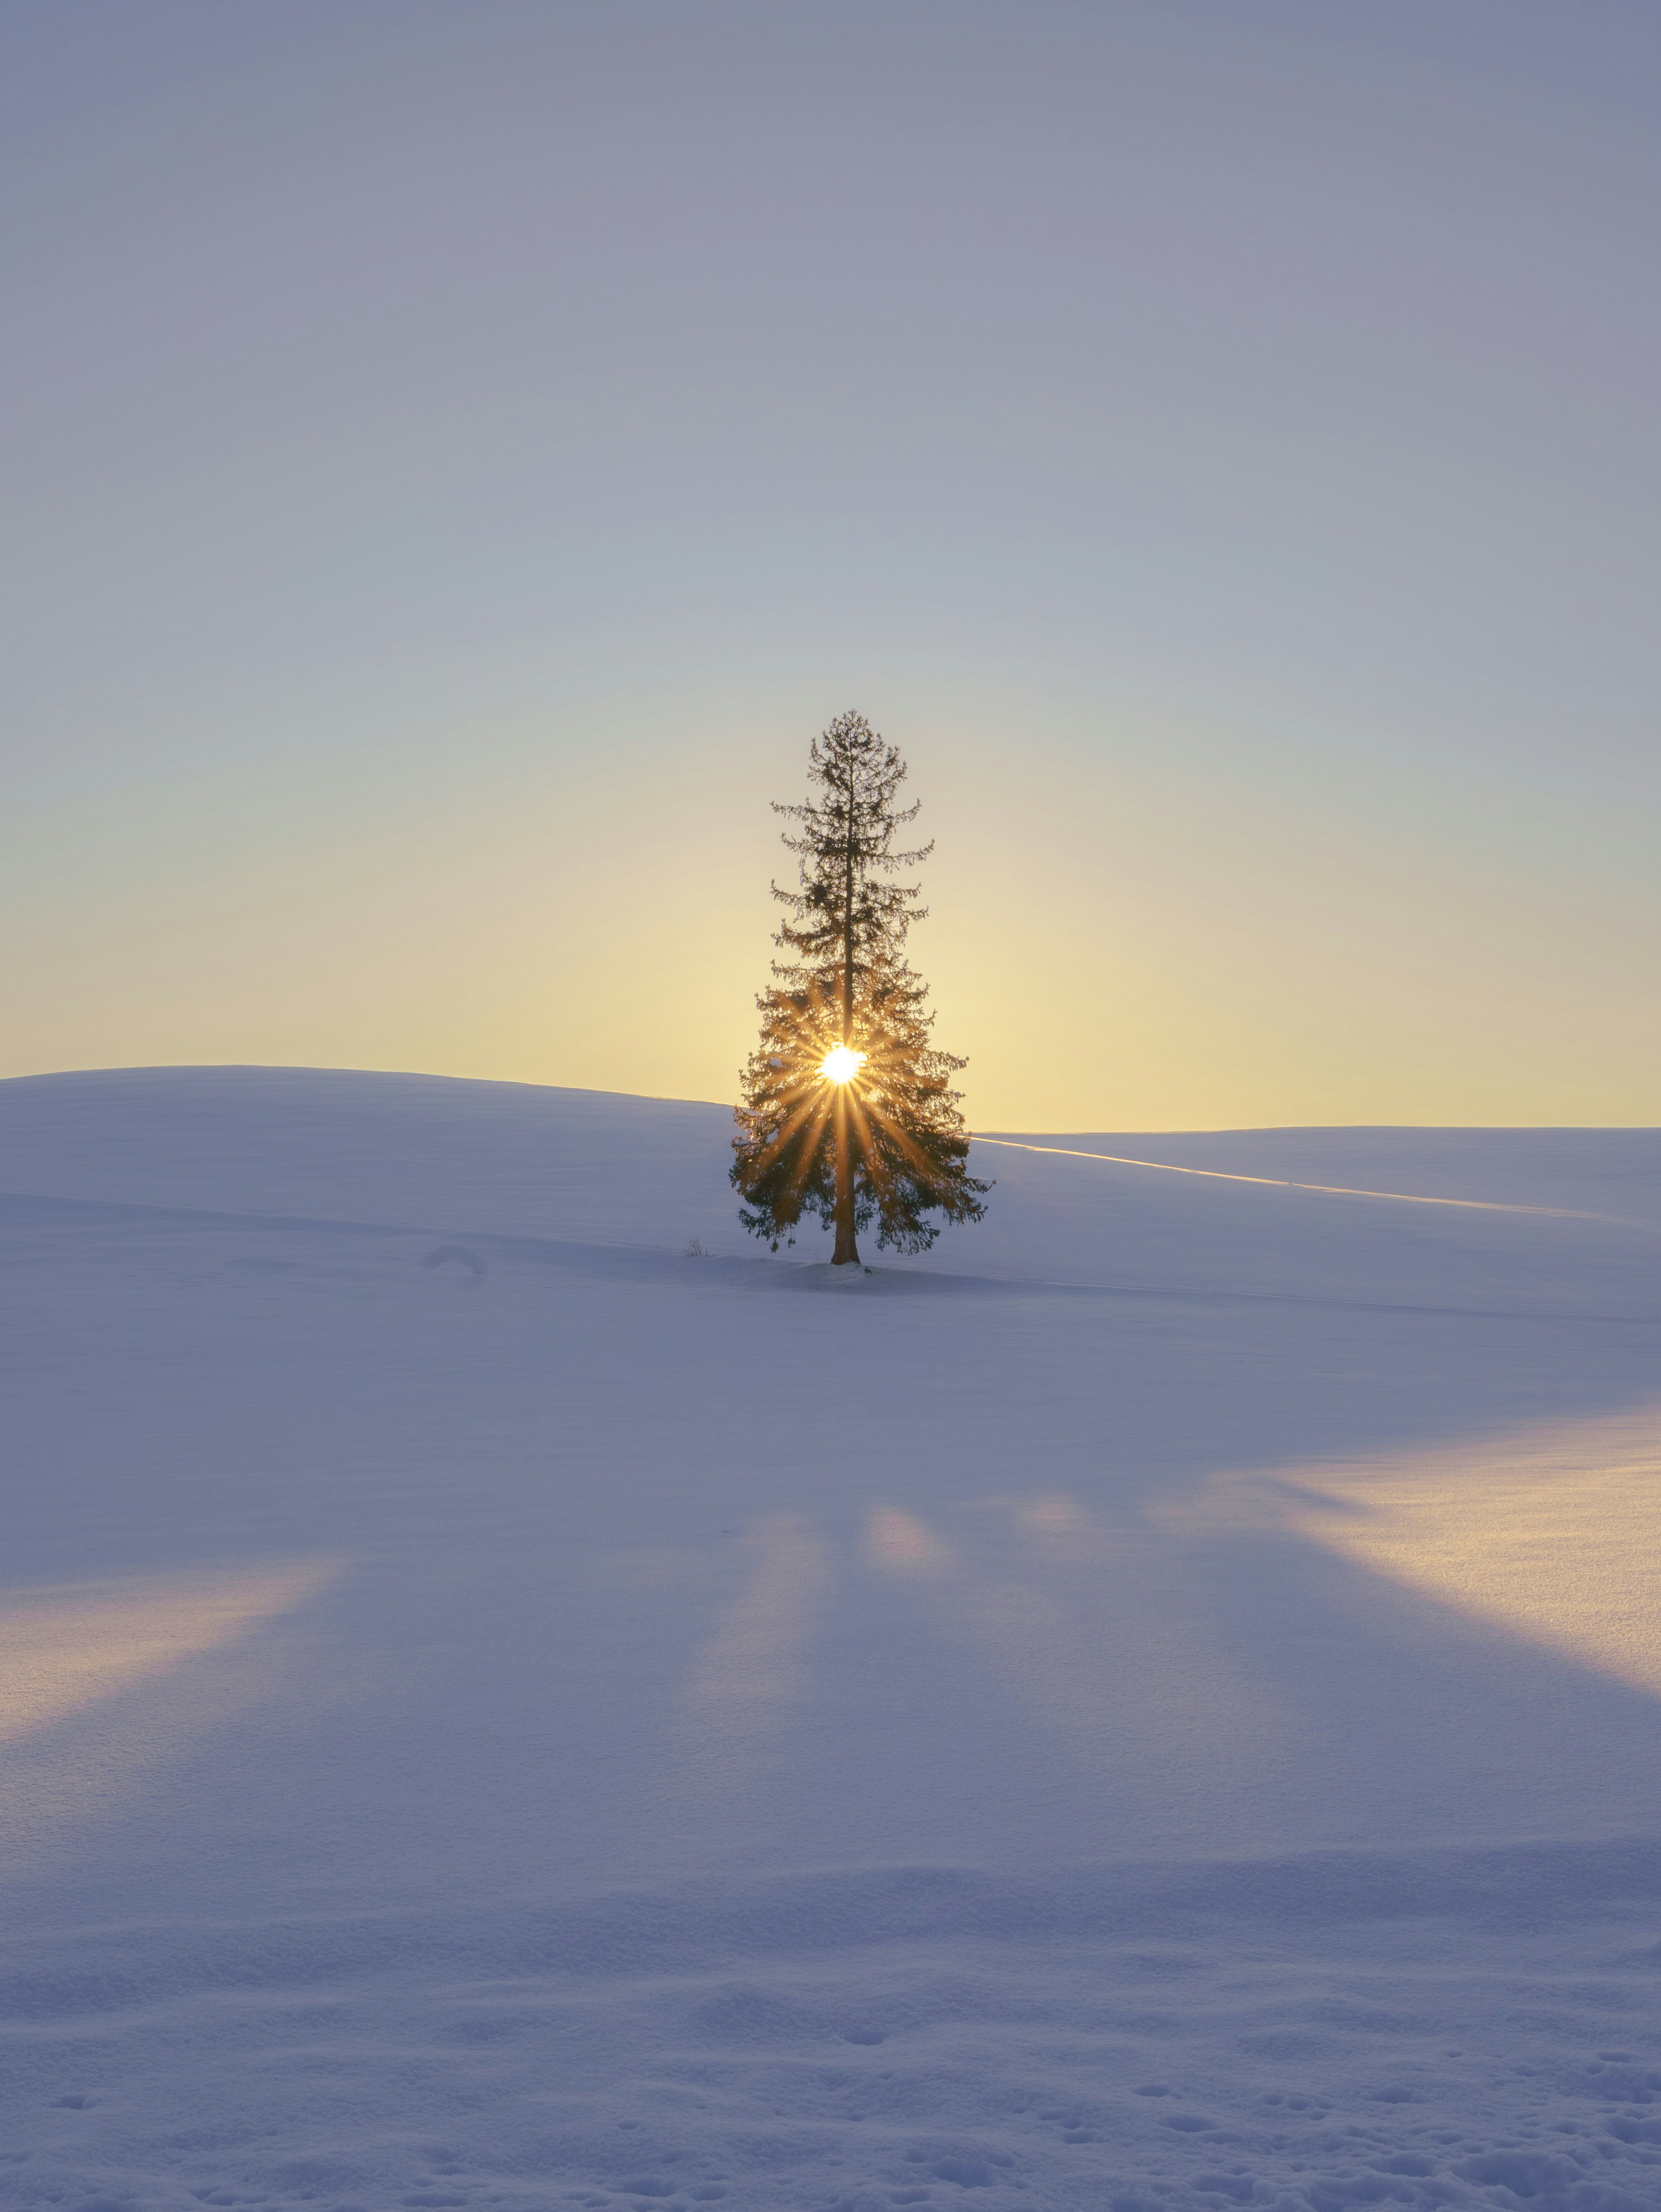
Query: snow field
<point x="1152" y="1705"/>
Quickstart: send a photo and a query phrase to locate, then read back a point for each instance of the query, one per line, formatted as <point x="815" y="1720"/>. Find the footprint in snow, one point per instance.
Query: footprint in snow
<point x="458" y="1261"/>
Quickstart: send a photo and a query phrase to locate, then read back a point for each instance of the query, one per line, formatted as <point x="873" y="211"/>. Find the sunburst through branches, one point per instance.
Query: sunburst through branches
<point x="849" y="1112"/>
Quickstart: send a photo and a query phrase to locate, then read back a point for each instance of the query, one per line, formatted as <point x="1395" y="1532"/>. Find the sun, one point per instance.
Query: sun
<point x="841" y="1063"/>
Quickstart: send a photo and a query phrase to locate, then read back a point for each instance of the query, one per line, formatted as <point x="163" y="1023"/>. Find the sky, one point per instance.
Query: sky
<point x="456" y="458"/>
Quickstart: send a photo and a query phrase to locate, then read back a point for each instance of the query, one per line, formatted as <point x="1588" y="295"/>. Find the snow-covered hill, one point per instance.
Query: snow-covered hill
<point x="1153" y="1704"/>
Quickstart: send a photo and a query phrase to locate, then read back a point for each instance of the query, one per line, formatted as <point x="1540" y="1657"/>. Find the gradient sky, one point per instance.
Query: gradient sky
<point x="458" y="456"/>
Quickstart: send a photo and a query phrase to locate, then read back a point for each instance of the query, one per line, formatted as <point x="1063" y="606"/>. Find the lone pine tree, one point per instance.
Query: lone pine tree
<point x="849" y="1112"/>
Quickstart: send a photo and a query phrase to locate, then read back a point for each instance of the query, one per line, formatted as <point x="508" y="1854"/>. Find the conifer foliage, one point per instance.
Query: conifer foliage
<point x="885" y="1143"/>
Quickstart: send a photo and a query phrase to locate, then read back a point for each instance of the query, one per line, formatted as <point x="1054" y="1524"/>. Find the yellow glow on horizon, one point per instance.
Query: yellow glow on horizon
<point x="1148" y="963"/>
<point x="841" y="1063"/>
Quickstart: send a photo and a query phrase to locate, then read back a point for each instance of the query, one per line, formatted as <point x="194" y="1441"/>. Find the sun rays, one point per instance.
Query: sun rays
<point x="833" y="1069"/>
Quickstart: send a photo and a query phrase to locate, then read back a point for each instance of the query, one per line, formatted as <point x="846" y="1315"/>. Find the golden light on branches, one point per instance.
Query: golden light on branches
<point x="805" y="1099"/>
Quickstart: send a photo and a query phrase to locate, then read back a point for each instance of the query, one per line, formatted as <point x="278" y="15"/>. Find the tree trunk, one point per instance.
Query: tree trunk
<point x="848" y="924"/>
<point x="847" y="1253"/>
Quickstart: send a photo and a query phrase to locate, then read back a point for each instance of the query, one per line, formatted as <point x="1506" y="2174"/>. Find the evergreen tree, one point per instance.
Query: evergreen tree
<point x="848" y="1111"/>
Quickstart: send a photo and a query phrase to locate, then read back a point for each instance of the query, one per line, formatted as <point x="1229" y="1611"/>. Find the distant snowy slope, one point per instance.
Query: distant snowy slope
<point x="407" y="1150"/>
<point x="517" y="1159"/>
<point x="1608" y="1171"/>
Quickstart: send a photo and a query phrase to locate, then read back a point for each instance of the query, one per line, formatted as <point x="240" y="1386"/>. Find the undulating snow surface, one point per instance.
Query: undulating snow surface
<point x="1154" y="1705"/>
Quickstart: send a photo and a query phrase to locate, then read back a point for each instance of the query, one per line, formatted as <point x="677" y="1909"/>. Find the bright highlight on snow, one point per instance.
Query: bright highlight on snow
<point x="841" y="1063"/>
<point x="63" y="1649"/>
